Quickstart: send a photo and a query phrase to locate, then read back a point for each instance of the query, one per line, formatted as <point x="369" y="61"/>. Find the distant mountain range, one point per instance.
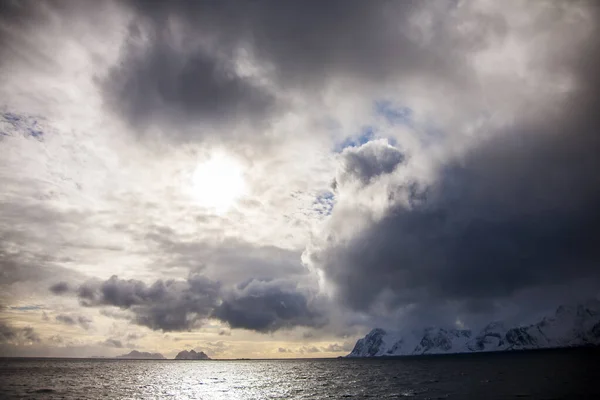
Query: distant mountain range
<point x="570" y="326"/>
<point x="191" y="355"/>
<point x="142" y="355"/>
<point x="182" y="355"/>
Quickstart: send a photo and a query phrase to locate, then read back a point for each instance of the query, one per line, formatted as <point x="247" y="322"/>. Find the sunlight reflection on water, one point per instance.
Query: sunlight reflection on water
<point x="482" y="376"/>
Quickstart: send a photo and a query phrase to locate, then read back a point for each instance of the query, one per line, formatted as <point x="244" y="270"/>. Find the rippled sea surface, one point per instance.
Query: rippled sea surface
<point x="539" y="375"/>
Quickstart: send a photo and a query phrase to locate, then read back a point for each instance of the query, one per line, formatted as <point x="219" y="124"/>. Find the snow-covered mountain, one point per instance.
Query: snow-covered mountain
<point x="570" y="326"/>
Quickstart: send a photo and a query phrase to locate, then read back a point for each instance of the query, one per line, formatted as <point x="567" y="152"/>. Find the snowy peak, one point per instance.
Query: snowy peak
<point x="577" y="325"/>
<point x="492" y="336"/>
<point x="438" y="340"/>
<point x="370" y="345"/>
<point x="428" y="341"/>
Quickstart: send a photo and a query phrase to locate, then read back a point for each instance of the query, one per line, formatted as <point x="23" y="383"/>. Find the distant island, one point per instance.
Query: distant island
<point x="191" y="355"/>
<point x="142" y="355"/>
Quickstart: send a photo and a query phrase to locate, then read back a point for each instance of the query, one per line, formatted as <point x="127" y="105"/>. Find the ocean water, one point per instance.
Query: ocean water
<point x="560" y="374"/>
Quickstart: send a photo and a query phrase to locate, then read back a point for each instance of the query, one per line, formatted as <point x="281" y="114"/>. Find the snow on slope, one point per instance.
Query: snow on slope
<point x="570" y="326"/>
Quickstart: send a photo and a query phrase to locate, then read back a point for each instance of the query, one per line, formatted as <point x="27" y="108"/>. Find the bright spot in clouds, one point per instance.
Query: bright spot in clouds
<point x="218" y="182"/>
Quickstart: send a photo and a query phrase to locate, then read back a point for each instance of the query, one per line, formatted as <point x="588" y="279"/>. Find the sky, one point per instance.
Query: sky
<point x="269" y="179"/>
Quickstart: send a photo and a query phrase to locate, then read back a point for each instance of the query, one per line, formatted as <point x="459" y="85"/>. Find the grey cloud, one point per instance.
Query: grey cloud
<point x="178" y="63"/>
<point x="23" y="222"/>
<point x="483" y="231"/>
<point x="6" y="332"/>
<point x="155" y="81"/>
<point x="263" y="306"/>
<point x="59" y="288"/>
<point x="229" y="261"/>
<point x="24" y="265"/>
<point x="518" y="212"/>
<point x="10" y="334"/>
<point x="80" y="320"/>
<point x="267" y="306"/>
<point x="283" y="350"/>
<point x="311" y="39"/>
<point x="165" y="305"/>
<point x="367" y="162"/>
<point x="66" y="319"/>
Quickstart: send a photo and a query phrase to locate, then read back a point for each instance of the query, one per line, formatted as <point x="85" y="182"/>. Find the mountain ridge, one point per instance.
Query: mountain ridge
<point x="569" y="326"/>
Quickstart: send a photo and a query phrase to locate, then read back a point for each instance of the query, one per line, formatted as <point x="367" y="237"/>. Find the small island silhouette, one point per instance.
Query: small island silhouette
<point x="191" y="355"/>
<point x="141" y="355"/>
<point x="182" y="355"/>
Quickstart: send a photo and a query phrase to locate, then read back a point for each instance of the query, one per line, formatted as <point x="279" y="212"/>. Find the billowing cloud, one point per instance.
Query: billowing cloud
<point x="176" y="305"/>
<point x="240" y="65"/>
<point x="367" y="162"/>
<point x="168" y="305"/>
<point x="267" y="306"/>
<point x="164" y="75"/>
<point x="515" y="212"/>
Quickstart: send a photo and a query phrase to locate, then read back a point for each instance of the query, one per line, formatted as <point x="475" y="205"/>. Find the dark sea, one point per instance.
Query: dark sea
<point x="556" y="374"/>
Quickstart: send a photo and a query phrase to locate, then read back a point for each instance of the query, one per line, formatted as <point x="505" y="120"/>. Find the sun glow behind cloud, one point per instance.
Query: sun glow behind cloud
<point x="218" y="182"/>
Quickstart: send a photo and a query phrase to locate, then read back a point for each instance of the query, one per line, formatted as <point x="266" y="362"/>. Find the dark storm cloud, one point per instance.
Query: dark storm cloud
<point x="367" y="162"/>
<point x="80" y="320"/>
<point x="299" y="37"/>
<point x="267" y="306"/>
<point x="178" y="62"/>
<point x="182" y="305"/>
<point x="156" y="81"/>
<point x="165" y="305"/>
<point x="520" y="211"/>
